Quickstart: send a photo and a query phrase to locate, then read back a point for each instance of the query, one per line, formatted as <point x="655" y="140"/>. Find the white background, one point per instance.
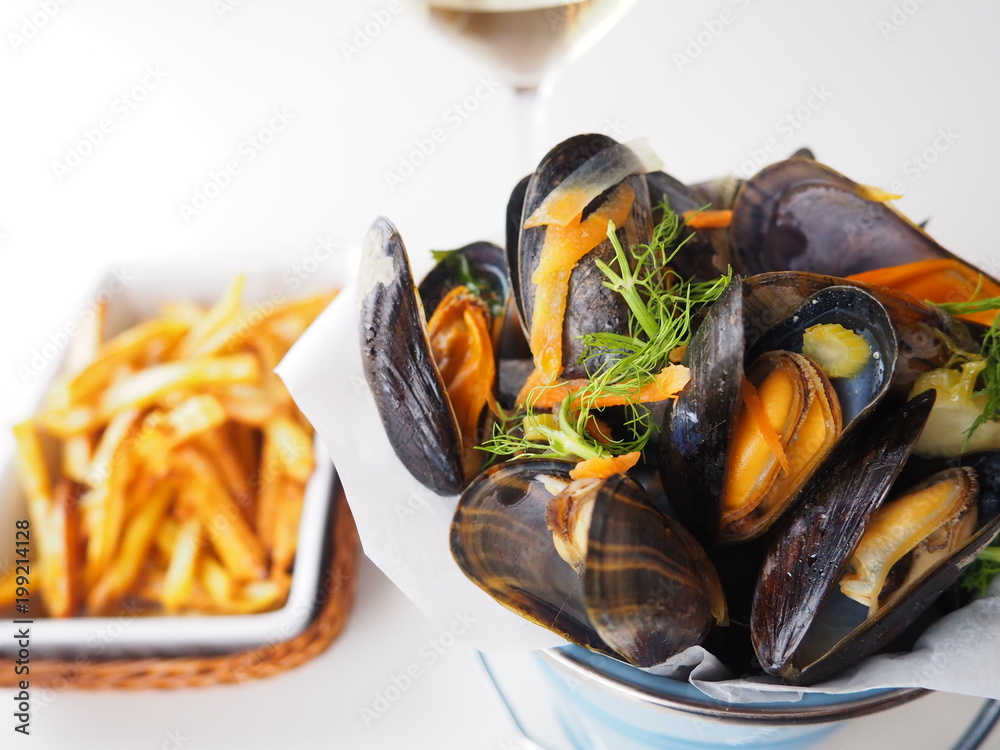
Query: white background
<point x="894" y="77"/>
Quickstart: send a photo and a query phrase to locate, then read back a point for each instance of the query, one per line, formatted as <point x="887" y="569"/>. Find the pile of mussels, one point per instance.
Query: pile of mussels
<point x="798" y="566"/>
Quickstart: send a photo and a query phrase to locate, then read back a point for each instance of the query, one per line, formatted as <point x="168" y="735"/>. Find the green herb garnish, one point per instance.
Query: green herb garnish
<point x="983" y="570"/>
<point x="461" y="273"/>
<point x="986" y="566"/>
<point x="661" y="305"/>
<point x="990" y="351"/>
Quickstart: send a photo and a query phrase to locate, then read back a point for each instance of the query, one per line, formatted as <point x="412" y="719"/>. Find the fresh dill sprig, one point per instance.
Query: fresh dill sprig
<point x="986" y="567"/>
<point x="990" y="376"/>
<point x="462" y="273"/>
<point x="982" y="571"/>
<point x="971" y="307"/>
<point x="661" y="305"/>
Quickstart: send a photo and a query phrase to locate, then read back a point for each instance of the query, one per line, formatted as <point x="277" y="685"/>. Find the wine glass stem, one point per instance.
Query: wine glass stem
<point x="529" y="104"/>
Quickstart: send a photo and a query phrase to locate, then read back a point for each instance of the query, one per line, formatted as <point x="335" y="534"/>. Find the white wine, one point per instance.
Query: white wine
<point x="523" y="36"/>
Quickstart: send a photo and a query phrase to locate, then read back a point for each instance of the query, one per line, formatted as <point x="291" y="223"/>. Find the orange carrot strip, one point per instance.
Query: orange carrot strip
<point x="563" y="248"/>
<point x="598" y="429"/>
<point x="756" y="410"/>
<point x="708" y="219"/>
<point x="939" y="280"/>
<point x="667" y="383"/>
<point x="600" y="468"/>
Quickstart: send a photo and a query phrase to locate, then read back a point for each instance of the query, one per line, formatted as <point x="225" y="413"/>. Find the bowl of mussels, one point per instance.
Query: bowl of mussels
<point x="758" y="416"/>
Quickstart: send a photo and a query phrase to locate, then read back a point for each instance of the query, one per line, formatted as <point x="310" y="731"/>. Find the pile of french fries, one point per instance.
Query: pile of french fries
<point x="168" y="464"/>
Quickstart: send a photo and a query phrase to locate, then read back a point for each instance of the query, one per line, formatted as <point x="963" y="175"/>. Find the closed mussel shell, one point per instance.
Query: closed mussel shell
<point x="800" y="215"/>
<point x="646" y="592"/>
<point x="500" y="540"/>
<point x="649" y="587"/>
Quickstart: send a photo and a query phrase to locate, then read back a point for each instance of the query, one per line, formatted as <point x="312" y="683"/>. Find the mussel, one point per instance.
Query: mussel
<point x="708" y="252"/>
<point x="758" y="417"/>
<point x="800" y="215"/>
<point x="431" y="379"/>
<point x="561" y="293"/>
<point x="591" y="559"/>
<point x="892" y="558"/>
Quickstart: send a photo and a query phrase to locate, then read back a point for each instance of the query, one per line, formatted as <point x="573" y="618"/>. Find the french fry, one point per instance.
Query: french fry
<point x="286" y="526"/>
<point x="199" y="339"/>
<point x="183" y="311"/>
<point x="147" y="386"/>
<point x="118" y="577"/>
<point x="293" y="447"/>
<point x="248" y="405"/>
<point x="8" y="588"/>
<point x="126" y="347"/>
<point x="269" y="487"/>
<point x="245" y="443"/>
<point x="77" y="457"/>
<point x="181" y="461"/>
<point x="32" y="469"/>
<point x="257" y="596"/>
<point x="179" y="579"/>
<point x="162" y="431"/>
<point x="104" y="505"/>
<point x="53" y="519"/>
<point x="64" y="554"/>
<point x="231" y="536"/>
<point x="225" y="460"/>
<point x="216" y="581"/>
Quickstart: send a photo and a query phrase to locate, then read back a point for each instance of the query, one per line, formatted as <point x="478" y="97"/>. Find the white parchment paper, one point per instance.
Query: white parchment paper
<point x="404" y="530"/>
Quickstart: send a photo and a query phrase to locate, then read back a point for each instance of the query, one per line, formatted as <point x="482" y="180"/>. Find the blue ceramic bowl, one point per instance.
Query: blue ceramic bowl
<point x="603" y="703"/>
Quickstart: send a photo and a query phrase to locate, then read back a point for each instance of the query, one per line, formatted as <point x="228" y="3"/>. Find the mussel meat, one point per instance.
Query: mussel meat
<point x="759" y="417"/>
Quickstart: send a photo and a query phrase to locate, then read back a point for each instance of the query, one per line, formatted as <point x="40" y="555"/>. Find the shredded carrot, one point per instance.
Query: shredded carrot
<point x="666" y="384"/>
<point x="756" y="410"/>
<point x="563" y="248"/>
<point x="598" y="429"/>
<point x="463" y="352"/>
<point x="601" y="468"/>
<point x="708" y="219"/>
<point x="939" y="280"/>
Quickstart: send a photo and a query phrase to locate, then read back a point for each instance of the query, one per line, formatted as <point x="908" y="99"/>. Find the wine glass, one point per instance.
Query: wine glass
<point x="528" y="40"/>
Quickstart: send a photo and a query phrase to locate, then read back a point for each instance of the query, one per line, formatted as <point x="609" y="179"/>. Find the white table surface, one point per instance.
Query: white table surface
<point x="878" y="86"/>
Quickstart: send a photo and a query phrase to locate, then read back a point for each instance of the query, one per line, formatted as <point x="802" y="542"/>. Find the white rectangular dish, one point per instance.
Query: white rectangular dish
<point x="134" y="633"/>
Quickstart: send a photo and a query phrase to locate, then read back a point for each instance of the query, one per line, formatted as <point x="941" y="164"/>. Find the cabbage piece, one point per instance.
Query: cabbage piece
<point x="956" y="408"/>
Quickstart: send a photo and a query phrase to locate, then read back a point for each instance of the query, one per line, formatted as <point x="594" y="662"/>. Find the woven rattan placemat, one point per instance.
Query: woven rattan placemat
<point x="336" y="596"/>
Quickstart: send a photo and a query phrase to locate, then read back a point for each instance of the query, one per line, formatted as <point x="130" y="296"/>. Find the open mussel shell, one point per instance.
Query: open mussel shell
<point x="481" y="266"/>
<point x="399" y="367"/>
<point x="927" y="335"/>
<point x="647" y="590"/>
<point x="512" y="238"/>
<point x="803" y="628"/>
<point x="856" y="309"/>
<point x="737" y="331"/>
<point x="694" y="450"/>
<point x="800" y="215"/>
<point x="590" y="306"/>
